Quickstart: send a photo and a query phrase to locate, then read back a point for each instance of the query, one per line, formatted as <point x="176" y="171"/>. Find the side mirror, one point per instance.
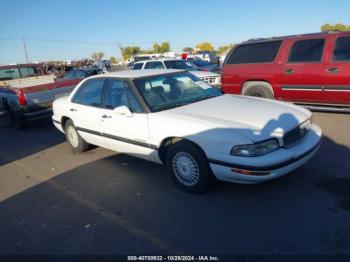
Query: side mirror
<point x="123" y="111"/>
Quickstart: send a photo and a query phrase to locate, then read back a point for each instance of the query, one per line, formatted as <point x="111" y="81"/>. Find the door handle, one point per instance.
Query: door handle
<point x="105" y="116"/>
<point x="289" y="71"/>
<point x="73" y="110"/>
<point x="332" y="70"/>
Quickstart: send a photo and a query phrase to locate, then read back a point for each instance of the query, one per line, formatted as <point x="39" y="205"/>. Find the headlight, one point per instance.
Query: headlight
<point x="218" y="80"/>
<point x="256" y="149"/>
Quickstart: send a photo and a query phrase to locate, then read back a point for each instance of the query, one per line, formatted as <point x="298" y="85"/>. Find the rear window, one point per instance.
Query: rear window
<point x="306" y="51"/>
<point x="9" y="74"/>
<point x="254" y="53"/>
<point x="342" y="49"/>
<point x="137" y="66"/>
<point x="154" y="65"/>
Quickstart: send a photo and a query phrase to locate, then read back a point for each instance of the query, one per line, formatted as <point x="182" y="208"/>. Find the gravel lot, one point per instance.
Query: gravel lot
<point x="102" y="202"/>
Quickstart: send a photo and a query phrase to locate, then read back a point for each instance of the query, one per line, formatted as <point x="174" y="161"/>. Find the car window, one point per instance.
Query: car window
<point x="79" y="74"/>
<point x="154" y="65"/>
<point x="9" y="73"/>
<point x="263" y="52"/>
<point x="70" y="75"/>
<point x="137" y="66"/>
<point x="309" y="50"/>
<point x="341" y="50"/>
<point x="28" y="71"/>
<point x="180" y="64"/>
<point x="173" y="90"/>
<point x="118" y="93"/>
<point x="90" y="93"/>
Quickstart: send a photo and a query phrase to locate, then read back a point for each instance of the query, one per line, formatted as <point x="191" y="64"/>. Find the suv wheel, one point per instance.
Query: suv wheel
<point x="75" y="141"/>
<point x="188" y="167"/>
<point x="258" y="89"/>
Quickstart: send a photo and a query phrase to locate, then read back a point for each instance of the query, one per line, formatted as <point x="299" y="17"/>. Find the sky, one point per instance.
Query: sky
<point x="86" y="26"/>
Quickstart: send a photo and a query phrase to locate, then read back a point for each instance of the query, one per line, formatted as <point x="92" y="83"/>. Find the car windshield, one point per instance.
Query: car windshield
<point x="201" y="62"/>
<point x="173" y="90"/>
<point x="180" y="64"/>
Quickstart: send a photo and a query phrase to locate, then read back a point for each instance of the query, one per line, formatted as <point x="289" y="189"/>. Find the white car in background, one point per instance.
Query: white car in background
<point x="174" y="118"/>
<point x="170" y="63"/>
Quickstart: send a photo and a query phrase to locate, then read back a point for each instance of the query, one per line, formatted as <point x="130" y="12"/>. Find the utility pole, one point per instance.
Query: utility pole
<point x="25" y="49"/>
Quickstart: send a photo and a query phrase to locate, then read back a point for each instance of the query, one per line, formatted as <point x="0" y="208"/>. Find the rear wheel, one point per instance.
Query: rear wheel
<point x="18" y="121"/>
<point x="75" y="141"/>
<point x="188" y="167"/>
<point x="258" y="89"/>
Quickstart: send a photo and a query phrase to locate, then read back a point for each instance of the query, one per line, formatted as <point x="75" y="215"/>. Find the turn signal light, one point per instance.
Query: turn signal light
<point x="21" y="97"/>
<point x="250" y="173"/>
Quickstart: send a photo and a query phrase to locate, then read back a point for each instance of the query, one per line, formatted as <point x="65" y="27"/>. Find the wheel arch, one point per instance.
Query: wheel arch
<point x="252" y="82"/>
<point x="64" y="120"/>
<point x="168" y="141"/>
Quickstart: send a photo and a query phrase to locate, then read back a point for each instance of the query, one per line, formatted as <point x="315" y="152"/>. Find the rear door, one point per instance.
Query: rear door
<point x="337" y="72"/>
<point x="303" y="71"/>
<point x="85" y="110"/>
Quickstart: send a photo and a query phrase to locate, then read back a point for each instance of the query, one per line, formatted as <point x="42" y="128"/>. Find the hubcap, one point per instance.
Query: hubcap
<point x="185" y="168"/>
<point x="72" y="136"/>
<point x="257" y="94"/>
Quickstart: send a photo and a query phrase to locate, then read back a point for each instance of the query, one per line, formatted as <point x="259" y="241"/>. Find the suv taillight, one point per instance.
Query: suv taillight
<point x="21" y="97"/>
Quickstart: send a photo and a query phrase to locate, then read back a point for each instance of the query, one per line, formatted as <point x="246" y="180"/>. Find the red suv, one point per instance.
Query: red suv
<point x="312" y="69"/>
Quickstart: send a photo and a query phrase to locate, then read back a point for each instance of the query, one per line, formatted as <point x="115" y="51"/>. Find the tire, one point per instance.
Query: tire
<point x="188" y="167"/>
<point x="75" y="141"/>
<point x="258" y="89"/>
<point x="18" y="121"/>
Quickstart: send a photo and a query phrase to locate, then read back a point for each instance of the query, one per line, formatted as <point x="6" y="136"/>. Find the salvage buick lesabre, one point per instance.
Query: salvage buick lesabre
<point x="174" y="118"/>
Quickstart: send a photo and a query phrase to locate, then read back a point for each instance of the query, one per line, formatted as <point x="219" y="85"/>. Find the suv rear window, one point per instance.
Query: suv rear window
<point x="263" y="52"/>
<point x="137" y="66"/>
<point x="309" y="50"/>
<point x="342" y="49"/>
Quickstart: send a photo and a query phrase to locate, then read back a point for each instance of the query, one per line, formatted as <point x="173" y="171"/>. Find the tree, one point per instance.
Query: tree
<point x="224" y="48"/>
<point x="97" y="56"/>
<point x="165" y="47"/>
<point x="129" y="51"/>
<point x="161" y="48"/>
<point x="205" y="46"/>
<point x="113" y="60"/>
<point x="337" y="27"/>
<point x="188" y="50"/>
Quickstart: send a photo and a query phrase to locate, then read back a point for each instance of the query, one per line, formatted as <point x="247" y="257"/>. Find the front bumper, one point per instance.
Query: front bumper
<point x="302" y="153"/>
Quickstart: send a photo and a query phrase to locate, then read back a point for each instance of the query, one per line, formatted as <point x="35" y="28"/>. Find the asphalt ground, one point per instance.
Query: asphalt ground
<point x="102" y="202"/>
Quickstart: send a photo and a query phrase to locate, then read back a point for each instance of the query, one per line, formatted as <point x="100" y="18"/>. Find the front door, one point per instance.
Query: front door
<point x="125" y="133"/>
<point x="337" y="72"/>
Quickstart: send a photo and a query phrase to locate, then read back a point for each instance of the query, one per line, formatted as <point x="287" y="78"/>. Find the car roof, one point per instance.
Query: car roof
<point x="140" y="73"/>
<point x="321" y="34"/>
<point x="160" y="59"/>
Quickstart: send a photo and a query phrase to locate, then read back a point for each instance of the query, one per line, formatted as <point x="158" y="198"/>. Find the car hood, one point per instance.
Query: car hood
<point x="254" y="118"/>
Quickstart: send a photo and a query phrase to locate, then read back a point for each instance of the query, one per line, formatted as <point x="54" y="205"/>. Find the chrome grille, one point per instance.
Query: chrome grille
<point x="295" y="135"/>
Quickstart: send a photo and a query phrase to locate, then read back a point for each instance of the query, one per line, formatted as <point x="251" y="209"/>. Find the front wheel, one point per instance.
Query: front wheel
<point x="188" y="167"/>
<point x="75" y="141"/>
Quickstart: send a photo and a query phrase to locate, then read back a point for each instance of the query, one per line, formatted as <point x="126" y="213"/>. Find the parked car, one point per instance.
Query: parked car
<point x="27" y="92"/>
<point x="208" y="56"/>
<point x="82" y="73"/>
<point x="170" y="63"/>
<point x="173" y="118"/>
<point x="204" y="65"/>
<point x="310" y="69"/>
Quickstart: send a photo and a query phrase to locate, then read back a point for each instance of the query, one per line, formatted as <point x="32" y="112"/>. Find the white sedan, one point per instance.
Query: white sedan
<point x="174" y="118"/>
